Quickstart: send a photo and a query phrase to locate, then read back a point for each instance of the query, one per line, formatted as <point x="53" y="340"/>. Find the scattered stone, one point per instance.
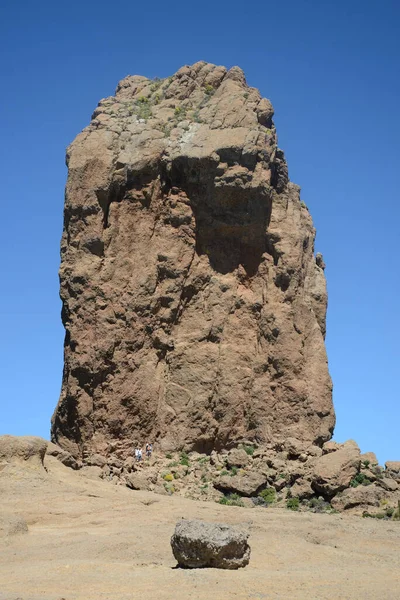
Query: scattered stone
<point x="196" y="544"/>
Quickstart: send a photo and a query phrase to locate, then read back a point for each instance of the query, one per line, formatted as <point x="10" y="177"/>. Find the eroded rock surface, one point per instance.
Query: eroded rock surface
<point x="193" y="304"/>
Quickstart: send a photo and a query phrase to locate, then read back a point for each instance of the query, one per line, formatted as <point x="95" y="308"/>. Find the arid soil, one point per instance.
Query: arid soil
<point x="92" y="540"/>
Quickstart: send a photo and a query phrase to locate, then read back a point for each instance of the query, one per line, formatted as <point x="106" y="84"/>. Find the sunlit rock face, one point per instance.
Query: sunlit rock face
<point x="193" y="304"/>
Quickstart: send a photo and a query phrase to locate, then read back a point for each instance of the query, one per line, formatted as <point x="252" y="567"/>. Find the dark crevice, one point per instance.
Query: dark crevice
<point x="231" y="221"/>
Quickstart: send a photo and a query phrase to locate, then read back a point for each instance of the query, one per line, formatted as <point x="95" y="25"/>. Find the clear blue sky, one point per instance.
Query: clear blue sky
<point x="331" y="70"/>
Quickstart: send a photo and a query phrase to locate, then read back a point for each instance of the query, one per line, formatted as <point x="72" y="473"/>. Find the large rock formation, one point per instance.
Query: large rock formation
<point x="193" y="304"/>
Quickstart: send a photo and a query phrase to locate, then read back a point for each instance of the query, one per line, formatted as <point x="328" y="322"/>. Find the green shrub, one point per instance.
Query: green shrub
<point x="359" y="479"/>
<point x="390" y="511"/>
<point x="209" y="90"/>
<point x="249" y="450"/>
<point x="225" y="472"/>
<point x="168" y="455"/>
<point x="293" y="503"/>
<point x="366" y="463"/>
<point x="174" y="463"/>
<point x="184" y="459"/>
<point x="232" y="500"/>
<point x="268" y="495"/>
<point x="233" y="471"/>
<point x="319" y="505"/>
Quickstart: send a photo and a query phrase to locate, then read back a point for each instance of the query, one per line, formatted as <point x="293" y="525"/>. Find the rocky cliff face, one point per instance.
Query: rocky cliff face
<point x="193" y="305"/>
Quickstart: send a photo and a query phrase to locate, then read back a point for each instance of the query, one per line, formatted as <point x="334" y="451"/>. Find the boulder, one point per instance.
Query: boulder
<point x="302" y="489"/>
<point x="28" y="450"/>
<point x="362" y="496"/>
<point x="330" y="446"/>
<point x="387" y="484"/>
<point x="197" y="544"/>
<point x="333" y="472"/>
<point x="294" y="448"/>
<point x="96" y="460"/>
<point x="62" y="455"/>
<point x="393" y="467"/>
<point x="237" y="458"/>
<point x="138" y="481"/>
<point x="246" y="485"/>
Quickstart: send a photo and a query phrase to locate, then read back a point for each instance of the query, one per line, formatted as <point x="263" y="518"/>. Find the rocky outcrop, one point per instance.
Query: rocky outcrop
<point x="196" y="544"/>
<point x="193" y="304"/>
<point x="22" y="450"/>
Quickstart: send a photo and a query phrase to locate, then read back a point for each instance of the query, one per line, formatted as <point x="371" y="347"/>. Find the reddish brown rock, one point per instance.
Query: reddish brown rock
<point x="193" y="304"/>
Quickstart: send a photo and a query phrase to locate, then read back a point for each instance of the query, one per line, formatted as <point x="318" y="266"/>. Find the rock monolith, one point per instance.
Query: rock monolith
<point x="193" y="303"/>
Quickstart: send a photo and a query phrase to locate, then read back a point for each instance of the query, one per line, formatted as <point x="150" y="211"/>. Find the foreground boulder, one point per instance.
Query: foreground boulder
<point x="193" y="303"/>
<point x="196" y="544"/>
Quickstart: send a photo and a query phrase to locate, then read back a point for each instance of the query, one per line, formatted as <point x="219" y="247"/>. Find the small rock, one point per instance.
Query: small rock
<point x="196" y="544"/>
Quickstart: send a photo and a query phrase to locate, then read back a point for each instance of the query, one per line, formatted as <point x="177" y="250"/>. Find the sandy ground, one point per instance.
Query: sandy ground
<point x="91" y="540"/>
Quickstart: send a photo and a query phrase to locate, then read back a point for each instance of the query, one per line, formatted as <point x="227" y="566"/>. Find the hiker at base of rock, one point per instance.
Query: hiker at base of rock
<point x="138" y="454"/>
<point x="149" y="449"/>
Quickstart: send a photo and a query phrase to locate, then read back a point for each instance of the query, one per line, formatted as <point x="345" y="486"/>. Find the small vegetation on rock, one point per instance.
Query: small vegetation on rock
<point x="184" y="459"/>
<point x="268" y="495"/>
<point x="249" y="450"/>
<point x="293" y="503"/>
<point x="359" y="479"/>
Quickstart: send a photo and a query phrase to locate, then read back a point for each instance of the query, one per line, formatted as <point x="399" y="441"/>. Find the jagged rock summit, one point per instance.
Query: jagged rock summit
<point x="193" y="304"/>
